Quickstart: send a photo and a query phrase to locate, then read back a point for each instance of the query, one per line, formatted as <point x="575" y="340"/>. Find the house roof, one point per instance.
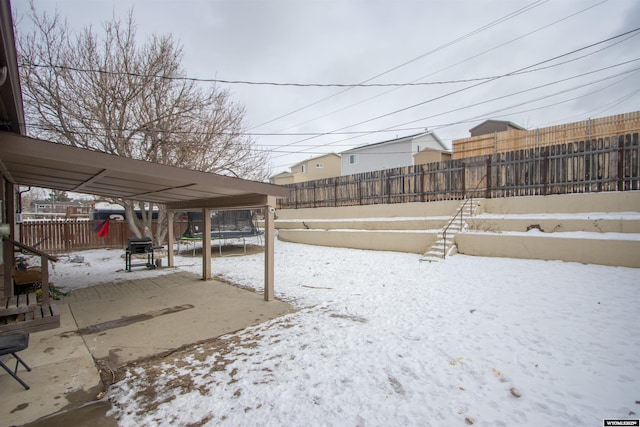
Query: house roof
<point x="315" y="158"/>
<point x="398" y="140"/>
<point x="498" y="121"/>
<point x="60" y="203"/>
<point x="281" y="174"/>
<point x="27" y="161"/>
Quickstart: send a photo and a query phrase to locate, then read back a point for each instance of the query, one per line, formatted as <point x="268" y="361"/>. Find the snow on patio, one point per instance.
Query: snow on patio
<point x="384" y="339"/>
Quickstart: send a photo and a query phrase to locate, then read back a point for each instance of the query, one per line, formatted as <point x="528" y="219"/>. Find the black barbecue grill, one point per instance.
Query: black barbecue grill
<point x="139" y="246"/>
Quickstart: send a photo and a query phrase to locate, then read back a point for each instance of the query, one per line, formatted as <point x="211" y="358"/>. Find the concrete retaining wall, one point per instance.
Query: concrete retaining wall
<point x="626" y="201"/>
<point x="422" y="210"/>
<point x="598" y="249"/>
<point x="406" y="227"/>
<point x="400" y="241"/>
<point x="609" y="226"/>
<point x="556" y="223"/>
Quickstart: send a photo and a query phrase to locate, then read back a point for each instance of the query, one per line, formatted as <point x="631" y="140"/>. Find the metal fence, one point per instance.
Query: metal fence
<point x="602" y="164"/>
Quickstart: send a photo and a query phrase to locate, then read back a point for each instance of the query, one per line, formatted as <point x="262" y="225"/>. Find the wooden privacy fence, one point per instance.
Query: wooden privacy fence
<point x="586" y="130"/>
<point x="59" y="236"/>
<point x="603" y="164"/>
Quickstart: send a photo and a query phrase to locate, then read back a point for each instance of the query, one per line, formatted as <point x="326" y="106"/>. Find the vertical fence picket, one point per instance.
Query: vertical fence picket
<point x="597" y="164"/>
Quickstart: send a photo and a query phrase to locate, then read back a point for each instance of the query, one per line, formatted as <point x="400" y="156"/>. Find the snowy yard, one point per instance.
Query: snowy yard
<point x="383" y="339"/>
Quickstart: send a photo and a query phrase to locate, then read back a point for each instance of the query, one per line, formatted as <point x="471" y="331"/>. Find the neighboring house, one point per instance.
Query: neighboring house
<point x="325" y="166"/>
<point x="492" y="126"/>
<point x="48" y="206"/>
<point x="394" y="153"/>
<point x="430" y="155"/>
<point x="283" y="178"/>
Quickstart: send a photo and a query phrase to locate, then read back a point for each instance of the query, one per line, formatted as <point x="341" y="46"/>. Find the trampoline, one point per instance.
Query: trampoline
<point x="225" y="225"/>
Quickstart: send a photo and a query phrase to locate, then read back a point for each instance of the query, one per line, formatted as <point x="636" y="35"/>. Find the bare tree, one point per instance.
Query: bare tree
<point x="109" y="93"/>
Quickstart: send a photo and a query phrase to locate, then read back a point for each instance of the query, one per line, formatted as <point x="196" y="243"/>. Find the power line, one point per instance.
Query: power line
<point x="436" y="127"/>
<point x="368" y="132"/>
<point x="470" y="34"/>
<point x="546" y="106"/>
<point x="538" y="87"/>
<point x="468" y="87"/>
<point x="353" y="85"/>
<point x="470" y="58"/>
<point x="287" y="84"/>
<point x="350" y="85"/>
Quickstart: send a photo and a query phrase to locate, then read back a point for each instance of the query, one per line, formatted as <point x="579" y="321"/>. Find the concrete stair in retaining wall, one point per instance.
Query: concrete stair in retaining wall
<point x="445" y="245"/>
<point x="408" y="227"/>
<point x="599" y="228"/>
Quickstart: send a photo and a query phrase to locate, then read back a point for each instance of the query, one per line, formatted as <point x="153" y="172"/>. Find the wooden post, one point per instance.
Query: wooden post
<point x="7" y="259"/>
<point x="621" y="163"/>
<point x="464" y="181"/>
<point x="314" y="194"/>
<point x="206" y="244"/>
<point x="170" y="237"/>
<point x="388" y="185"/>
<point x="422" y="198"/>
<point x="335" y="192"/>
<point x="488" y="191"/>
<point x="10" y="212"/>
<point x="44" y="271"/>
<point x="7" y="247"/>
<point x="66" y="236"/>
<point x="545" y="171"/>
<point x="269" y="234"/>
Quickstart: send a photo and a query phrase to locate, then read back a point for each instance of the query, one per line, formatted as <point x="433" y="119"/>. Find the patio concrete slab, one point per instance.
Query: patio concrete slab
<point x="112" y="324"/>
<point x="62" y="372"/>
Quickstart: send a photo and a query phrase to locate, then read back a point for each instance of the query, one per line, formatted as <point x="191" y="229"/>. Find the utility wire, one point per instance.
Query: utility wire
<point x="538" y="87"/>
<point x="350" y="85"/>
<point x="469" y="87"/>
<point x="436" y="127"/>
<point x="395" y="128"/>
<point x="470" y="58"/>
<point x="468" y="120"/>
<point x="259" y="83"/>
<point x="470" y="34"/>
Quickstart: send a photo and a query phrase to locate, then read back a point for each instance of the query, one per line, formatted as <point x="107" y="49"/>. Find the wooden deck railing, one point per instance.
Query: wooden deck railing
<point x="8" y="248"/>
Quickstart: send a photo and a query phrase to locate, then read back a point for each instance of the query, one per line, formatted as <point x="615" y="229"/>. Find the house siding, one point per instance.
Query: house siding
<point x="383" y="156"/>
<point x="389" y="155"/>
<point x="331" y="168"/>
<point x="430" y="156"/>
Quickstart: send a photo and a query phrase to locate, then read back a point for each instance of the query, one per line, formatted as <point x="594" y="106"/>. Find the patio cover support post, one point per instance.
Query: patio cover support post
<point x="170" y="237"/>
<point x="206" y="244"/>
<point x="7" y="248"/>
<point x="7" y="259"/>
<point x="269" y="235"/>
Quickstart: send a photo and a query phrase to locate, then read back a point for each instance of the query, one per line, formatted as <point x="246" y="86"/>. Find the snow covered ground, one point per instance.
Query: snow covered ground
<point x="383" y="339"/>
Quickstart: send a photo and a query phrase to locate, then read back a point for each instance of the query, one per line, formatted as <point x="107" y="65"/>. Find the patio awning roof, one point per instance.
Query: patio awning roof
<point x="33" y="162"/>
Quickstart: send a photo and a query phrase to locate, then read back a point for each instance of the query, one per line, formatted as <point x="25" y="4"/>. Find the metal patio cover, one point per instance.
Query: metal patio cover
<point x="33" y="162"/>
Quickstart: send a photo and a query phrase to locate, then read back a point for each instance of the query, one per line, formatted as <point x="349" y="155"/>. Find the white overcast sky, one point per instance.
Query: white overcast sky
<point x="400" y="41"/>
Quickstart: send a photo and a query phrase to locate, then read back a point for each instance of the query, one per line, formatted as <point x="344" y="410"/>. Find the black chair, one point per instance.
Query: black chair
<point x="11" y="344"/>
